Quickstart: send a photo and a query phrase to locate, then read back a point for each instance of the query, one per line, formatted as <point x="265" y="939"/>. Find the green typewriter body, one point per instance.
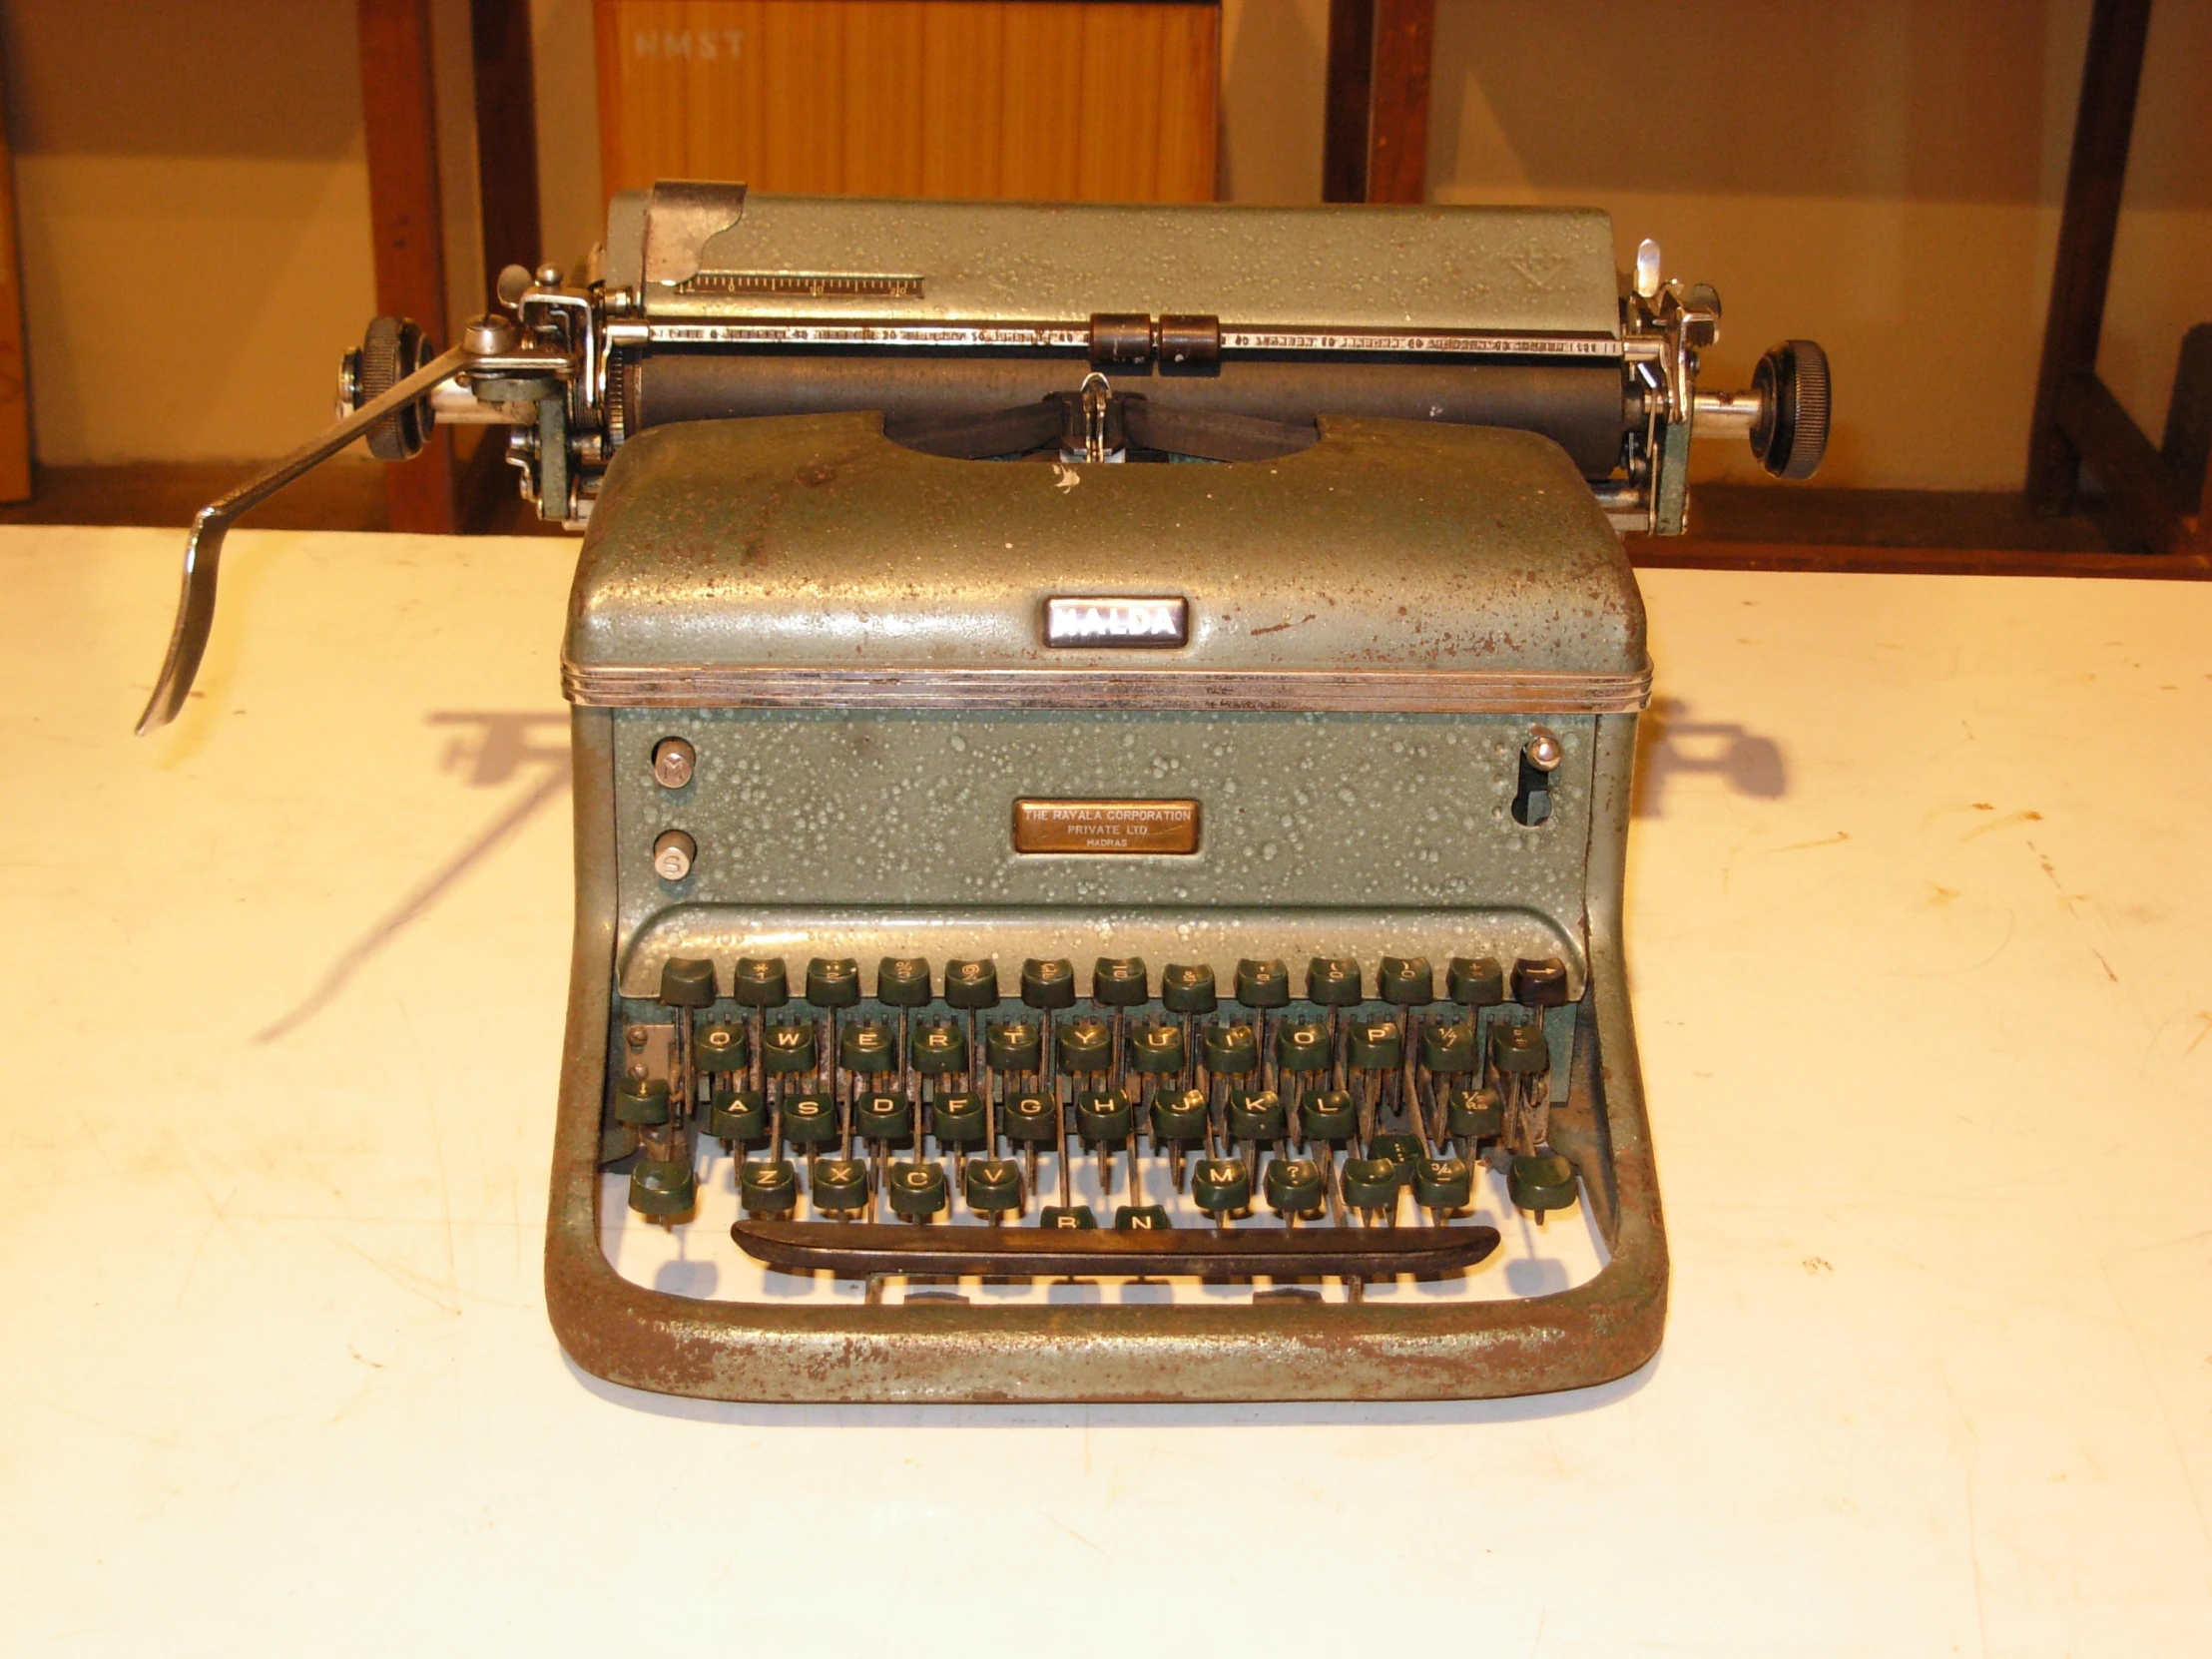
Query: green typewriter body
<point x="1103" y="743"/>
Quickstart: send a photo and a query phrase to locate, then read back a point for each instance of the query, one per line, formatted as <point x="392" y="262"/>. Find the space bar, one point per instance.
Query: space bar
<point x="856" y="1250"/>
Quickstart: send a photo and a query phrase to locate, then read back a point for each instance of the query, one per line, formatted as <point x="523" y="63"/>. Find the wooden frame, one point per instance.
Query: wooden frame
<point x="1375" y="145"/>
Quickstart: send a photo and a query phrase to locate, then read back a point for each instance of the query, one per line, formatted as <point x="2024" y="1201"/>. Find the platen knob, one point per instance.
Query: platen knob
<point x="1791" y="433"/>
<point x="393" y="350"/>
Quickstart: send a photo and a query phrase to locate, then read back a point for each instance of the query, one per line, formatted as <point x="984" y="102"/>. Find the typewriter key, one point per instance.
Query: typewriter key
<point x="1188" y="990"/>
<point x="1377" y="1045"/>
<point x="768" y="1188"/>
<point x="1222" y="1188"/>
<point x="1141" y="1218"/>
<point x="1521" y="1061"/>
<point x="884" y="1119"/>
<point x="1264" y="985"/>
<point x="758" y="982"/>
<point x="1048" y="984"/>
<point x="994" y="1187"/>
<point x="956" y="1121"/>
<point x="834" y="982"/>
<point x="1106" y="1123"/>
<point x="938" y="1050"/>
<point x="1085" y="1046"/>
<point x="1293" y="1187"/>
<point x="1069" y="1218"/>
<point x="1443" y="1186"/>
<point x="1541" y="1182"/>
<point x="1179" y="1121"/>
<point x="1014" y="1046"/>
<point x="1398" y="1151"/>
<point x="721" y="1048"/>
<point x="1257" y="1117"/>
<point x="1302" y="1049"/>
<point x="1473" y="1116"/>
<point x="1330" y="1118"/>
<point x="839" y="1187"/>
<point x="1333" y="981"/>
<point x="739" y="1118"/>
<point x="1370" y="1187"/>
<point x="640" y="1102"/>
<point x="1157" y="1050"/>
<point x="1231" y="1050"/>
<point x="663" y="1188"/>
<point x="1408" y="981"/>
<point x="686" y="982"/>
<point x="788" y="1050"/>
<point x="1178" y="1117"/>
<point x="1448" y="1050"/>
<point x="971" y="985"/>
<point x="1120" y="982"/>
<point x="866" y="1049"/>
<point x="917" y="1191"/>
<point x="807" y="1120"/>
<point x="1541" y="984"/>
<point x="1031" y="1121"/>
<point x="1476" y="982"/>
<point x="902" y="982"/>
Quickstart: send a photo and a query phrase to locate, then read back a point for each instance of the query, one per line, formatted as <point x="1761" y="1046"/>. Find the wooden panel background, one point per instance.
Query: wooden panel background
<point x="1052" y="100"/>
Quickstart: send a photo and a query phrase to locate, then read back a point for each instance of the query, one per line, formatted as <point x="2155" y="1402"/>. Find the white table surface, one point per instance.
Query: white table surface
<point x="1925" y="994"/>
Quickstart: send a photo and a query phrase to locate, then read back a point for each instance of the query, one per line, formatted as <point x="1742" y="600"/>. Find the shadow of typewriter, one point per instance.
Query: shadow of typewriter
<point x="1412" y="1414"/>
<point x="1670" y="745"/>
<point x="492" y="751"/>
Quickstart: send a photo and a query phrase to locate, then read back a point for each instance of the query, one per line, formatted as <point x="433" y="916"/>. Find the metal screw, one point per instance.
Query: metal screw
<point x="672" y="759"/>
<point x="1543" y="749"/>
<point x="635" y="1037"/>
<point x="636" y="1073"/>
<point x="549" y="275"/>
<point x="673" y="853"/>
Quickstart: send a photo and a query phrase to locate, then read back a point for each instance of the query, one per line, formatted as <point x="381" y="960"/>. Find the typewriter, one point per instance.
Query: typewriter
<point x="1102" y="745"/>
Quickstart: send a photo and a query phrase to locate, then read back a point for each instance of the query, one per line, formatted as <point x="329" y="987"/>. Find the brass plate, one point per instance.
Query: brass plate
<point x="1105" y="827"/>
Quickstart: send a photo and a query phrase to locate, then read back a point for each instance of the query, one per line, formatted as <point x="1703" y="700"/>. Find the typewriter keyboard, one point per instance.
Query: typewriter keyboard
<point x="1338" y="1129"/>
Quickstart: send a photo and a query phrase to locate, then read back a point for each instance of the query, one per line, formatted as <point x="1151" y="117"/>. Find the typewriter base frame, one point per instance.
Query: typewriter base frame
<point x="947" y="1354"/>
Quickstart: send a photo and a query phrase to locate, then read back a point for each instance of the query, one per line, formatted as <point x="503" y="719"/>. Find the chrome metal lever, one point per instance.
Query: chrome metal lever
<point x="188" y="641"/>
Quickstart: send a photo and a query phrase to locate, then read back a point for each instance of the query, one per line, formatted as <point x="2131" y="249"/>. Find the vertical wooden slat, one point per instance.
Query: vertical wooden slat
<point x="15" y="403"/>
<point x="1397" y="122"/>
<point x="1042" y="103"/>
<point x="883" y="97"/>
<point x="504" y="68"/>
<point x="1118" y="139"/>
<point x="1344" y="154"/>
<point x="804" y="99"/>
<point x="1190" y="103"/>
<point x="400" y="114"/>
<point x="963" y="46"/>
<point x="612" y="76"/>
<point x="506" y="134"/>
<point x="2095" y="177"/>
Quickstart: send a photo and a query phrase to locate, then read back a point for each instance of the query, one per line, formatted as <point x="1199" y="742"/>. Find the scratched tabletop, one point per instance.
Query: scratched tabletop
<point x="1921" y="932"/>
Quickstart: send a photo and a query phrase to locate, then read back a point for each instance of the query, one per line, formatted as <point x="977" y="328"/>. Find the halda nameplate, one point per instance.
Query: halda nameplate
<point x="1116" y="621"/>
<point x="1105" y="827"/>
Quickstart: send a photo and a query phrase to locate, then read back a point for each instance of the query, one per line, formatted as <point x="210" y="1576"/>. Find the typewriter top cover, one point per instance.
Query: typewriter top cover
<point x="1103" y="741"/>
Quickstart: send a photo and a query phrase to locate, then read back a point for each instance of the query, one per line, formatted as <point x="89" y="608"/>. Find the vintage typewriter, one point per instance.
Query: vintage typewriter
<point x="1102" y="752"/>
